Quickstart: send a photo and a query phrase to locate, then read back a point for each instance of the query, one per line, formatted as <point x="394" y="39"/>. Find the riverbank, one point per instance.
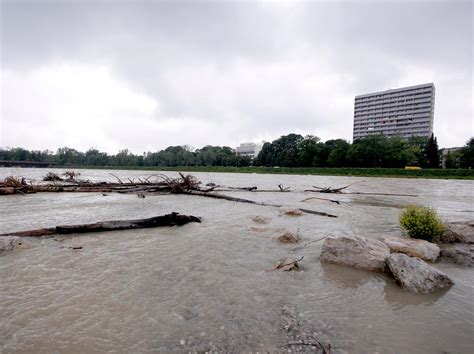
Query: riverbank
<point x="318" y="171"/>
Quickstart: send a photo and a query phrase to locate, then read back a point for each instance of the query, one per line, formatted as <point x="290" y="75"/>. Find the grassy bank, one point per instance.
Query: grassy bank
<point x="363" y="172"/>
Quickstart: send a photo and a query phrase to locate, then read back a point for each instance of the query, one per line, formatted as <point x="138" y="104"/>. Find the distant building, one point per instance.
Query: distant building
<point x="405" y="112"/>
<point x="450" y="152"/>
<point x="248" y="149"/>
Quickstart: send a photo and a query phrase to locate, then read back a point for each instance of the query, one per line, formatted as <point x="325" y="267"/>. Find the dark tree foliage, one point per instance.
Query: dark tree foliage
<point x="171" y="156"/>
<point x="467" y="154"/>
<point x="452" y="160"/>
<point x="368" y="152"/>
<point x="19" y="154"/>
<point x="292" y="150"/>
<point x="265" y="157"/>
<point x="284" y="151"/>
<point x="338" y="150"/>
<point x="371" y="151"/>
<point x="308" y="149"/>
<point x="94" y="157"/>
<point x="432" y="153"/>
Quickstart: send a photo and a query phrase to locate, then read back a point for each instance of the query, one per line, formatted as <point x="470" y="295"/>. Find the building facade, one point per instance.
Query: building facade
<point x="248" y="149"/>
<point x="406" y="112"/>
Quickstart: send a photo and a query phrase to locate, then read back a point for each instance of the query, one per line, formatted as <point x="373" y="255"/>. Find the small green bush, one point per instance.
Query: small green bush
<point x="421" y="222"/>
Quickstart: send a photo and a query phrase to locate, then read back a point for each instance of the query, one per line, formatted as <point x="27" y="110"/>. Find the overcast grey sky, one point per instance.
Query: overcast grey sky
<point x="144" y="75"/>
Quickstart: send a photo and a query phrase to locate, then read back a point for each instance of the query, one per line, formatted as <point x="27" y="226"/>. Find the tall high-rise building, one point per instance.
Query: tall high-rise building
<point x="405" y="112"/>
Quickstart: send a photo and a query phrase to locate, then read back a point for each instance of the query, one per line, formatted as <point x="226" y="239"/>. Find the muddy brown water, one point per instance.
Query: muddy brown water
<point x="203" y="287"/>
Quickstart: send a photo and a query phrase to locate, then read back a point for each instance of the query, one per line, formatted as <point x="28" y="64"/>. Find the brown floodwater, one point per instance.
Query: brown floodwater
<point x="204" y="287"/>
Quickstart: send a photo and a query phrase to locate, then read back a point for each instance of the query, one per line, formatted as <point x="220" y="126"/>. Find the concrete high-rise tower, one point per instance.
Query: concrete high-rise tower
<point x="405" y="112"/>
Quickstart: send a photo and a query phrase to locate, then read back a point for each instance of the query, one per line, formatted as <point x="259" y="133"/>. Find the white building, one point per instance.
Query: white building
<point x="405" y="112"/>
<point x="446" y="152"/>
<point x="248" y="149"/>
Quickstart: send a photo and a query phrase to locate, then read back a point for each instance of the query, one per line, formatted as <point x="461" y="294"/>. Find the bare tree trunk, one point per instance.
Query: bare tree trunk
<point x="173" y="219"/>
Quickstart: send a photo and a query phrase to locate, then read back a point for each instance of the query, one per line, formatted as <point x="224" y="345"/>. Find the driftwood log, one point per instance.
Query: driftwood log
<point x="248" y="201"/>
<point x="155" y="184"/>
<point x="330" y="189"/>
<point x="173" y="219"/>
<point x="340" y="190"/>
<point x="159" y="184"/>
<point x="338" y="202"/>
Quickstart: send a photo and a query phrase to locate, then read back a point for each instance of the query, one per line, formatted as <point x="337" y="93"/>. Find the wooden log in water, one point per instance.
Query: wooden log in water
<point x="247" y="201"/>
<point x="173" y="219"/>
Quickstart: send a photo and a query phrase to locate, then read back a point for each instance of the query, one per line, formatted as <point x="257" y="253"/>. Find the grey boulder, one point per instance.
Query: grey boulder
<point x="461" y="254"/>
<point x="413" y="247"/>
<point x="355" y="251"/>
<point x="458" y="232"/>
<point x="416" y="275"/>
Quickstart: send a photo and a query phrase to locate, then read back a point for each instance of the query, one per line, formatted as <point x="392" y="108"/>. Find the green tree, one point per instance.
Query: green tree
<point x="124" y="158"/>
<point x="94" y="157"/>
<point x="397" y="153"/>
<point x="308" y="149"/>
<point x="68" y="156"/>
<point x="432" y="153"/>
<point x="416" y="151"/>
<point x="467" y="154"/>
<point x="368" y="151"/>
<point x="265" y="156"/>
<point x="338" y="153"/>
<point x="452" y="159"/>
<point x="286" y="150"/>
<point x="281" y="152"/>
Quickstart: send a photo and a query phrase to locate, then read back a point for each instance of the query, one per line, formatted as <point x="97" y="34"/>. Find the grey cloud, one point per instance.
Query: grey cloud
<point x="252" y="68"/>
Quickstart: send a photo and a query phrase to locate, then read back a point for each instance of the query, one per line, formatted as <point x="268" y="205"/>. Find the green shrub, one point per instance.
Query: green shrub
<point x="421" y="222"/>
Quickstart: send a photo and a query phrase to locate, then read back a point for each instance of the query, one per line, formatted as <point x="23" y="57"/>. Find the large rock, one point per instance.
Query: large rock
<point x="416" y="275"/>
<point x="355" y="251"/>
<point x="458" y="232"/>
<point x="459" y="254"/>
<point x="9" y="243"/>
<point x="413" y="247"/>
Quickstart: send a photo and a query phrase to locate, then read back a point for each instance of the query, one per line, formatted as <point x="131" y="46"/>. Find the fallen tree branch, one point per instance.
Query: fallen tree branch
<point x="162" y="183"/>
<point x="173" y="219"/>
<point x="328" y="200"/>
<point x="367" y="193"/>
<point x="281" y="265"/>
<point x="241" y="200"/>
<point x="387" y="194"/>
<point x="248" y="189"/>
<point x="231" y="189"/>
<point x="118" y="179"/>
<point x="283" y="189"/>
<point x="298" y="247"/>
<point x="332" y="190"/>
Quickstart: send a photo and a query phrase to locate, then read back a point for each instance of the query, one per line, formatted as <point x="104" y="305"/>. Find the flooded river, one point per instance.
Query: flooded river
<point x="204" y="287"/>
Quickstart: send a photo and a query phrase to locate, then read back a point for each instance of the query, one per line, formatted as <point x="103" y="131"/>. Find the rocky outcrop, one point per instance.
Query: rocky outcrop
<point x="288" y="237"/>
<point x="355" y="251"/>
<point x="10" y="243"/>
<point x="416" y="275"/>
<point x="290" y="211"/>
<point x="413" y="247"/>
<point x="461" y="254"/>
<point x="458" y="232"/>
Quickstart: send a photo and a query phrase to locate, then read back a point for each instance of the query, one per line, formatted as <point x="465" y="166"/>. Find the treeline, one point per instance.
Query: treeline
<point x="171" y="156"/>
<point x="292" y="150"/>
